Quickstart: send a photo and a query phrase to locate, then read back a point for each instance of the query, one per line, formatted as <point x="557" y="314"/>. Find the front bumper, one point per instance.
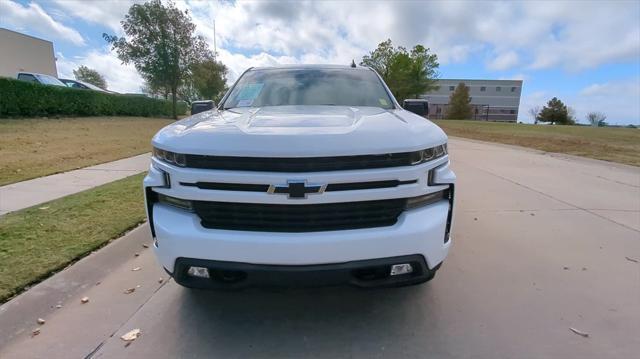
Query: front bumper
<point x="366" y="273"/>
<point x="421" y="231"/>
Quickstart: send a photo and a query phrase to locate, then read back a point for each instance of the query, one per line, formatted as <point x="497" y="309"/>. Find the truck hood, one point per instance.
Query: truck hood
<point x="299" y="131"/>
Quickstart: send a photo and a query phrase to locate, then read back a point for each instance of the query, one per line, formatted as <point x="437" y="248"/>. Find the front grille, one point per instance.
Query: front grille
<point x="299" y="218"/>
<point x="248" y="187"/>
<point x="305" y="164"/>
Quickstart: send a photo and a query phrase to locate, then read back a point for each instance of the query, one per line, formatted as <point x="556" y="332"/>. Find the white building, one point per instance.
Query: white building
<point x="491" y="100"/>
<point x="20" y="52"/>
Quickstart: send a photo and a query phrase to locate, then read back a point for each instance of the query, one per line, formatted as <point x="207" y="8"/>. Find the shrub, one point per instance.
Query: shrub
<point x="25" y="99"/>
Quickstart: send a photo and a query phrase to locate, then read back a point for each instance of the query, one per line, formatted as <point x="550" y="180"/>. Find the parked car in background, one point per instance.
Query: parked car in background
<point x="201" y="106"/>
<point x="39" y="79"/>
<point x="82" y="85"/>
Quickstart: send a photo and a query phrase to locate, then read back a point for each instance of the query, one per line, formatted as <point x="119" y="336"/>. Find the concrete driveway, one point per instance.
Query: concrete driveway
<point x="542" y="243"/>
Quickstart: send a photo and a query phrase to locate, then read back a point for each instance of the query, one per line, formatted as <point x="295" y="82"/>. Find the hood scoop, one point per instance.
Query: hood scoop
<point x="295" y="117"/>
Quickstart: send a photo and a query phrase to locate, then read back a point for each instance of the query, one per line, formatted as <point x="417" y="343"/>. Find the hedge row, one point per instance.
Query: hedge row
<point x="25" y="99"/>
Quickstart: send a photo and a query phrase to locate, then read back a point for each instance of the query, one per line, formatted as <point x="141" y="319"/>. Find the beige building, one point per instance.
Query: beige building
<point x="20" y="52"/>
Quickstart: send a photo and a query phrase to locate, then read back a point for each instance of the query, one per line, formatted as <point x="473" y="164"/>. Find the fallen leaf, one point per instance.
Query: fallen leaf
<point x="41" y="321"/>
<point x="565" y="268"/>
<point x="136" y="254"/>
<point x="59" y="306"/>
<point x="46" y="207"/>
<point x="84" y="300"/>
<point x="632" y="260"/>
<point x="145" y="245"/>
<point x="582" y="334"/>
<point x="35" y="332"/>
<point x="98" y="283"/>
<point x="129" y="291"/>
<point x="136" y="269"/>
<point x="138" y="286"/>
<point x="131" y="335"/>
<point x="160" y="280"/>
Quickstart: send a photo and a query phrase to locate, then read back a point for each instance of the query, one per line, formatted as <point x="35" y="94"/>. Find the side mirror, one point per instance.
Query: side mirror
<point x="419" y="107"/>
<point x="201" y="106"/>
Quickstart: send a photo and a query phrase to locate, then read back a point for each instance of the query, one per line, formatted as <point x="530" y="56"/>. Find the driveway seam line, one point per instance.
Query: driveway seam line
<point x="124" y="322"/>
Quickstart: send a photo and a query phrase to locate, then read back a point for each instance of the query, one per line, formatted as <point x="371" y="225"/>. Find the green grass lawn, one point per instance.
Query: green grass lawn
<point x="620" y="145"/>
<point x="31" y="148"/>
<point x="37" y="241"/>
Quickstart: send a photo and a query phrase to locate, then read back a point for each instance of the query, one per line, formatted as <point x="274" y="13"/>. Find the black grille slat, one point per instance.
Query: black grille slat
<point x="305" y="164"/>
<point x="299" y="218"/>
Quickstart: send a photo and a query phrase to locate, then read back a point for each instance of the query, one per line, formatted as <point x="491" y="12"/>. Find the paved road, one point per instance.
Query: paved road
<point x="540" y="247"/>
<point x="29" y="193"/>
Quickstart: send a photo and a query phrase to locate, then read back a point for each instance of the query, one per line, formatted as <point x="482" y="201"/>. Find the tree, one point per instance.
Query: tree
<point x="91" y="76"/>
<point x="161" y="42"/>
<point x="209" y="78"/>
<point x="596" y="119"/>
<point x="459" y="108"/>
<point x="533" y="112"/>
<point x="554" y="112"/>
<point x="408" y="74"/>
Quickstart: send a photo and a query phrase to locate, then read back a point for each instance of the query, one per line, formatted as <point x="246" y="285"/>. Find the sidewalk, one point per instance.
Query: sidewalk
<point x="29" y="193"/>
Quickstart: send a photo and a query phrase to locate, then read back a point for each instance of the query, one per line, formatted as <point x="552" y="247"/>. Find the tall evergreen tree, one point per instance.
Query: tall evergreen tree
<point x="459" y="104"/>
<point x="555" y="112"/>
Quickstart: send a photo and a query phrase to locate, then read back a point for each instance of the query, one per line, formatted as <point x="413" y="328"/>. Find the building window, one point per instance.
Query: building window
<point x="513" y="89"/>
<point x="451" y="88"/>
<point x="513" y="112"/>
<point x="483" y="89"/>
<point x="498" y="89"/>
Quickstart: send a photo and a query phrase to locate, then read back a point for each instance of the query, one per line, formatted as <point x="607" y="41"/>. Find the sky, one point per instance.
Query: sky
<point x="586" y="53"/>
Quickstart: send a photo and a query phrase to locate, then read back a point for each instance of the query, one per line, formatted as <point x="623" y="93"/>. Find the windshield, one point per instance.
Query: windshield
<point x="49" y="80"/>
<point x="281" y="87"/>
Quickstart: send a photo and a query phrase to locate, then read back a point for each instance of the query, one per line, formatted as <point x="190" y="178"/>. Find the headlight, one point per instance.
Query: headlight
<point x="172" y="158"/>
<point x="429" y="154"/>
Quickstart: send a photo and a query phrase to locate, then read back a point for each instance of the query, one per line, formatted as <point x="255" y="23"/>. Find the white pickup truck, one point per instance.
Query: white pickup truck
<point x="303" y="176"/>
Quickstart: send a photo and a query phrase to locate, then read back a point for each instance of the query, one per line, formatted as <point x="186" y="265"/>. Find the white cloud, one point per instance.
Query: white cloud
<point x="32" y="18"/>
<point x="519" y="76"/>
<point x="504" y="61"/>
<point x="120" y="78"/>
<point x="105" y="12"/>
<point x="574" y="35"/>
<point x="619" y="100"/>
<point x="570" y="34"/>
